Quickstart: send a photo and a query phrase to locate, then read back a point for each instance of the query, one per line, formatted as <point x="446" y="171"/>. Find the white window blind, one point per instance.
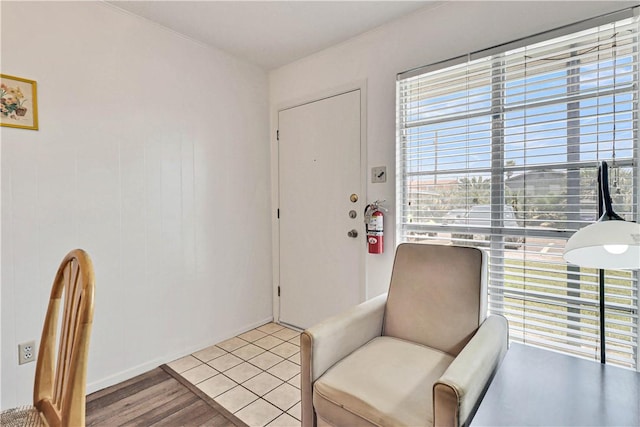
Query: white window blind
<point x="501" y="152"/>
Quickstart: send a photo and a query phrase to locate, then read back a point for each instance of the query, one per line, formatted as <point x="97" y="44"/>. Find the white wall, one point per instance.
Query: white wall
<point x="443" y="31"/>
<point x="153" y="155"/>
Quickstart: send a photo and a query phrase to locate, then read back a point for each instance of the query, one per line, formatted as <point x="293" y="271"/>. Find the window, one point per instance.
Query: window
<point x="500" y="149"/>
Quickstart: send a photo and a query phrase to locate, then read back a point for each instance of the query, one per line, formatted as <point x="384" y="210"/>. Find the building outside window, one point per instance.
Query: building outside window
<point x="499" y="149"/>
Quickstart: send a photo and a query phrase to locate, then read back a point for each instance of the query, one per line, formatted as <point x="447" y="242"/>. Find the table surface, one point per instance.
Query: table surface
<point x="535" y="387"/>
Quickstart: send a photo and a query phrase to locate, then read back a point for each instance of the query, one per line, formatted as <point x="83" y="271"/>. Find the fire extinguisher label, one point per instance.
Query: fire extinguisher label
<point x="375" y="225"/>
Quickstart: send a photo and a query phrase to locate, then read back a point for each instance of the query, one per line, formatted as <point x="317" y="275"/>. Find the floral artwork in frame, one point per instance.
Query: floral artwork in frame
<point x="18" y="106"/>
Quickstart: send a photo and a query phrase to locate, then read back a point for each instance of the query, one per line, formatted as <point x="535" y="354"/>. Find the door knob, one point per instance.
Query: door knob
<point x="352" y="233"/>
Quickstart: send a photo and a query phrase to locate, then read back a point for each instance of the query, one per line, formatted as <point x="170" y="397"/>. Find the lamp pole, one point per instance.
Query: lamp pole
<point x="602" y="193"/>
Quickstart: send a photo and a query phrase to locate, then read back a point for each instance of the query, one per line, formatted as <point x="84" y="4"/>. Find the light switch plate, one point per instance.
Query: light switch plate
<point x="379" y="174"/>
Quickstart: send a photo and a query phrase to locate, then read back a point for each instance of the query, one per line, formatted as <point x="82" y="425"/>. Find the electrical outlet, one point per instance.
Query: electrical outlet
<point x="26" y="352"/>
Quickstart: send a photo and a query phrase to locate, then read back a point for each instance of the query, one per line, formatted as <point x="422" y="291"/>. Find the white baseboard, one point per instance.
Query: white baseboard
<point x="154" y="363"/>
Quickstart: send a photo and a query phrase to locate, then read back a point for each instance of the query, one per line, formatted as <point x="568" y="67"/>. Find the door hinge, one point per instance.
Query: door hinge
<point x="278" y="213"/>
<point x="278" y="135"/>
<point x="278" y="290"/>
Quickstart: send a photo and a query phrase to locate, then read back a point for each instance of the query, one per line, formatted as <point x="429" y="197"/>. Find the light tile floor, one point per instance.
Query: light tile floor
<point x="255" y="376"/>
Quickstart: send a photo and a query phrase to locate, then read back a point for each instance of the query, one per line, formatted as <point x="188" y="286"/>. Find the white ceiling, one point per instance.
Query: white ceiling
<point x="271" y="33"/>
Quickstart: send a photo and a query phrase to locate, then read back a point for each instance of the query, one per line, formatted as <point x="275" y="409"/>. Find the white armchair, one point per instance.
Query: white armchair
<point x="422" y="355"/>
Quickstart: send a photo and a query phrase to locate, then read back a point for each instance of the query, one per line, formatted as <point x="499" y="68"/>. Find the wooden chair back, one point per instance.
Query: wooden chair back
<point x="60" y="382"/>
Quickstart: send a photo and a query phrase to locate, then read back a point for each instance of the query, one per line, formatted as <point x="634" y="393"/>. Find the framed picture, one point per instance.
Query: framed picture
<point x="18" y="102"/>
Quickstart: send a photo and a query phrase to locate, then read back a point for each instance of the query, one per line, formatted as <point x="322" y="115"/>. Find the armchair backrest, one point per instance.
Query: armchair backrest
<point x="437" y="295"/>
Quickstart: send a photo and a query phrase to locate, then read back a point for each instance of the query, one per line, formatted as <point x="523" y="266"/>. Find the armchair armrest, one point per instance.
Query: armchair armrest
<point x="328" y="342"/>
<point x="458" y="391"/>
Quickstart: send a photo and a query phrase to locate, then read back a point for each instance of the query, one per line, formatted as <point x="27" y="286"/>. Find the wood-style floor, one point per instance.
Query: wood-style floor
<point x="156" y="398"/>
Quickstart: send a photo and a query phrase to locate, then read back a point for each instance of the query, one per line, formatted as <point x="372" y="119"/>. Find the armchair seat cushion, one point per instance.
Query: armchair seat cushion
<point x="388" y="381"/>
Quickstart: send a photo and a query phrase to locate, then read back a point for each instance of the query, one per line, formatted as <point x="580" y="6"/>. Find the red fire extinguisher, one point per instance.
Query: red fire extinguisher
<point x="374" y="223"/>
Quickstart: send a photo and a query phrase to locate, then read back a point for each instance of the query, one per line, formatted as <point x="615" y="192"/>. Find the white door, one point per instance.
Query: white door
<point x="319" y="171"/>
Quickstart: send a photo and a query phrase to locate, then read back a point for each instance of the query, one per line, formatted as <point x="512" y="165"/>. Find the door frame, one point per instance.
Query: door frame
<point x="275" y="180"/>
